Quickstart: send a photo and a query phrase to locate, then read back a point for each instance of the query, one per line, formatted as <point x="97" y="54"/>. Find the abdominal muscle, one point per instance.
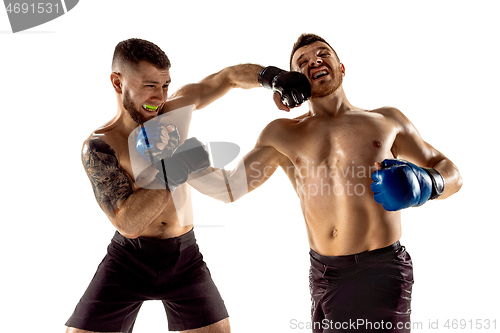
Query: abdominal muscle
<point x="342" y="217"/>
<point x="176" y="218"/>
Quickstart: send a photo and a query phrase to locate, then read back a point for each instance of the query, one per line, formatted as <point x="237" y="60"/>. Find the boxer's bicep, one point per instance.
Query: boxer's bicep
<point x="212" y="88"/>
<point x="110" y="183"/>
<point x="260" y="164"/>
<point x="409" y="144"/>
<point x="187" y="95"/>
<point x="215" y="86"/>
<point x="203" y="93"/>
<point x="421" y="153"/>
<point x="269" y="154"/>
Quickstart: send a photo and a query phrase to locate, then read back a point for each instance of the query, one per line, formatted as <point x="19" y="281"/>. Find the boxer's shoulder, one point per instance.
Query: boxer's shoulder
<point x="288" y="124"/>
<point x="279" y="133"/>
<point x="393" y="116"/>
<point x="280" y="127"/>
<point x="178" y="101"/>
<point x="96" y="146"/>
<point x="389" y="112"/>
<point x="386" y="110"/>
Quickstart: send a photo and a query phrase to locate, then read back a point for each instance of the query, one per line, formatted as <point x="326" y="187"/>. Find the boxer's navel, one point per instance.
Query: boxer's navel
<point x="334" y="233"/>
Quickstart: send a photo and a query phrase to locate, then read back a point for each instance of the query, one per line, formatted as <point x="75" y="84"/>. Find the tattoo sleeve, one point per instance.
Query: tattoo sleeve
<point x="111" y="184"/>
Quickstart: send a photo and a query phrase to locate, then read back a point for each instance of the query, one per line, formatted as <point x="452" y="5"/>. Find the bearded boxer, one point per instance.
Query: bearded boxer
<point x="153" y="254"/>
<point x="354" y="170"/>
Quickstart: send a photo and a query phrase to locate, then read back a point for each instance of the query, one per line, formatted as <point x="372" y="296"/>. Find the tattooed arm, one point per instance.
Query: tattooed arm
<point x="130" y="212"/>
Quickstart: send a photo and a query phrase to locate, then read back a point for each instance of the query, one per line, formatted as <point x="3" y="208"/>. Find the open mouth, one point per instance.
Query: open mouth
<point x="150" y="107"/>
<point x="319" y="74"/>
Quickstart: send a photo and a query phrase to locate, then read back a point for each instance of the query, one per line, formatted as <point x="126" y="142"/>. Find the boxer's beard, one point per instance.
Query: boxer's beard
<point x="327" y="90"/>
<point x="132" y="111"/>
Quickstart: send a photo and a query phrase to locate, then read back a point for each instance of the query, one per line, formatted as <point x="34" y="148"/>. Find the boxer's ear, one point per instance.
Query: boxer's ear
<point x="116" y="81"/>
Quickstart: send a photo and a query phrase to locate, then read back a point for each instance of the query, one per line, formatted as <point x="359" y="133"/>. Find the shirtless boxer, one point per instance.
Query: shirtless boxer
<point x="359" y="271"/>
<point x="153" y="254"/>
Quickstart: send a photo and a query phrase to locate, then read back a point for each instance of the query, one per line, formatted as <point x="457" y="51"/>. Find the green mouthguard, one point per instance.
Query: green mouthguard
<point x="149" y="107"/>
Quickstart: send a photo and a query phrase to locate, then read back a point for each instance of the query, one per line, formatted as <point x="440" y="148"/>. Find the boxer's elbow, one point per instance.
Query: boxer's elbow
<point x="453" y="182"/>
<point x="124" y="222"/>
<point x="228" y="194"/>
<point x="225" y="197"/>
<point x="460" y="180"/>
<point x="124" y="228"/>
<point x="129" y="235"/>
<point x="457" y="181"/>
<point x="222" y="185"/>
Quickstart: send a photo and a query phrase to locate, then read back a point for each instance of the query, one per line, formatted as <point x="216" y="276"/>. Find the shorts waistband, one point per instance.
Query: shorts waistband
<point x="146" y="243"/>
<point x="343" y="261"/>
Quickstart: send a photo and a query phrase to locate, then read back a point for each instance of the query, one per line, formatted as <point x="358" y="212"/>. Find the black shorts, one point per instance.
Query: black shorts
<point x="136" y="270"/>
<point x="366" y="292"/>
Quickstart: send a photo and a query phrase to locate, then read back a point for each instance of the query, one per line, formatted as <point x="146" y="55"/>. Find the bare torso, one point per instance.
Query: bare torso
<point x="124" y="183"/>
<point x="330" y="164"/>
<point x="176" y="217"/>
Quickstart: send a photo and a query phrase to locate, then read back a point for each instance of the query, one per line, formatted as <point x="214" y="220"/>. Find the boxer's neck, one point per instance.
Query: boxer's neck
<point x="332" y="105"/>
<point x="123" y="122"/>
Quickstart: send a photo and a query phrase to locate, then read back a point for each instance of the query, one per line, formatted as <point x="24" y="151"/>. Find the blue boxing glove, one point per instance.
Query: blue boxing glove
<point x="157" y="141"/>
<point x="401" y="184"/>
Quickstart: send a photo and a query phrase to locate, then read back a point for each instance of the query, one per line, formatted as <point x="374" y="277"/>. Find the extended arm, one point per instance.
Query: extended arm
<point x="252" y="171"/>
<point x="229" y="185"/>
<point x="290" y="88"/>
<point x="130" y="212"/>
<point x="217" y="85"/>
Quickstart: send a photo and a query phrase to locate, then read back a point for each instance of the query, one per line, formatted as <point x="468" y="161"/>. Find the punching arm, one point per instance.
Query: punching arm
<point x="250" y="173"/>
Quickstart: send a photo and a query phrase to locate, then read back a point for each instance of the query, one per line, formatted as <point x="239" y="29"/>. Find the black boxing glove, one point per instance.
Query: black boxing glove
<point x="190" y="157"/>
<point x="293" y="87"/>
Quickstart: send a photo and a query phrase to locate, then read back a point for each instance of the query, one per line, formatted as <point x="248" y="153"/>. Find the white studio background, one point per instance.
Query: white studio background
<point x="437" y="61"/>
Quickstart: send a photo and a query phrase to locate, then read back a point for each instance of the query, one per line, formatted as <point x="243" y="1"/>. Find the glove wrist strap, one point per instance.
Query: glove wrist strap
<point x="438" y="183"/>
<point x="266" y="76"/>
<point x="161" y="176"/>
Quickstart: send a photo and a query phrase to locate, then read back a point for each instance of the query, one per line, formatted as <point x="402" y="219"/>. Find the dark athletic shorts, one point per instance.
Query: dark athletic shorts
<point x="365" y="292"/>
<point x="136" y="270"/>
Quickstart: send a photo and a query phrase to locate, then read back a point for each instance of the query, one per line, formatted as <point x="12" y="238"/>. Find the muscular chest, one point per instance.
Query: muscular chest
<point x="357" y="139"/>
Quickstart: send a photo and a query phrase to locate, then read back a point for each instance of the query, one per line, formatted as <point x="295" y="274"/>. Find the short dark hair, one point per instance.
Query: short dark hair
<point x="306" y="39"/>
<point x="131" y="51"/>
